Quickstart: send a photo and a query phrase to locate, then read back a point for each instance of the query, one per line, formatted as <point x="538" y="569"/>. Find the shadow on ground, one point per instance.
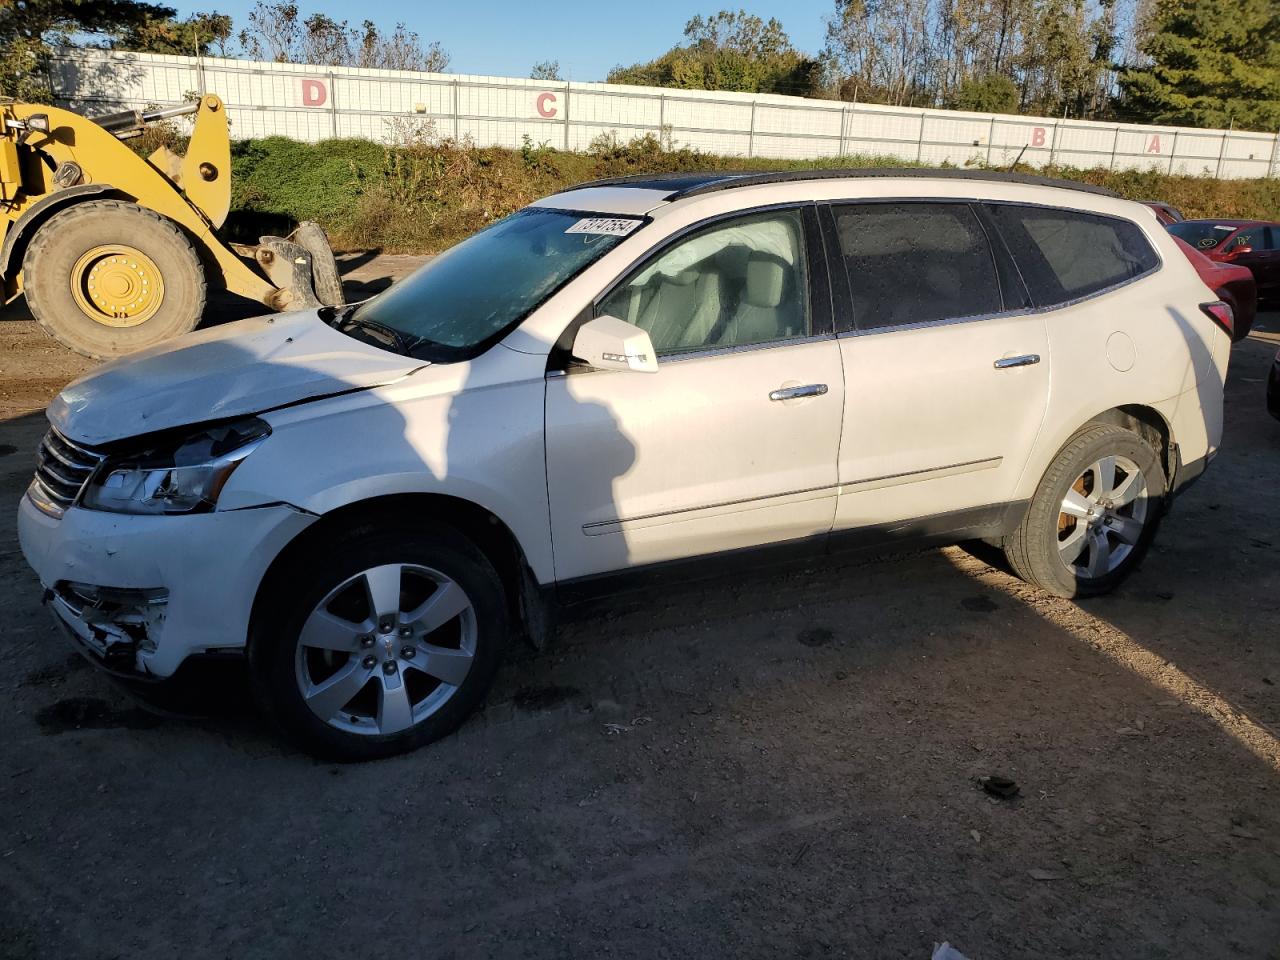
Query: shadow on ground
<point x="779" y="764"/>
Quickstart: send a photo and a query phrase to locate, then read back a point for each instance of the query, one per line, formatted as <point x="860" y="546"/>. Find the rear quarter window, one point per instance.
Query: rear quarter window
<point x="1065" y="255"/>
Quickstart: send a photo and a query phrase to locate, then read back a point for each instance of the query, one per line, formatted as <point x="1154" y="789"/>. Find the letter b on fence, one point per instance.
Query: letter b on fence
<point x="1037" y="137"/>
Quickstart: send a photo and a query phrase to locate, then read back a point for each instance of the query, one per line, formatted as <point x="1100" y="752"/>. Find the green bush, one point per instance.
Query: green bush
<point x="424" y="194"/>
<point x="305" y="181"/>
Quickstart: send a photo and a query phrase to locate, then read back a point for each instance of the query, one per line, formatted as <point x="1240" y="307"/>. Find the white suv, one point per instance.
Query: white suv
<point x="626" y="378"/>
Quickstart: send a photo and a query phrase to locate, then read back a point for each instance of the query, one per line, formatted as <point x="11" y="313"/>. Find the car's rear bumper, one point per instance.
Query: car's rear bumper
<point x="1185" y="474"/>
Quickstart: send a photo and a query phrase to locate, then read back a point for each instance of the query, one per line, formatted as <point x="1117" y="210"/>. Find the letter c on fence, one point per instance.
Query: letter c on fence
<point x="314" y="93"/>
<point x="546" y="105"/>
<point x="1154" y="145"/>
<point x="1037" y="137"/>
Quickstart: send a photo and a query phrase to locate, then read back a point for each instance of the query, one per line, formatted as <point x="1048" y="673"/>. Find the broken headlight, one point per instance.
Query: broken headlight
<point x="185" y="476"/>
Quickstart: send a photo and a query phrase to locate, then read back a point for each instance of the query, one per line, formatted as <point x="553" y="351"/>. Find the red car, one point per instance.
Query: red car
<point x="1165" y="213"/>
<point x="1233" y="284"/>
<point x="1246" y="243"/>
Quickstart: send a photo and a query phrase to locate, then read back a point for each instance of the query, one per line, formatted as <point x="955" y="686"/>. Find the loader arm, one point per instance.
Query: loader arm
<point x="206" y="166"/>
<point x="75" y="150"/>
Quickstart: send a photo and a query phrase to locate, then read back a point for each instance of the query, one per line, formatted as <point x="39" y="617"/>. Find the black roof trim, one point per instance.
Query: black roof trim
<point x="691" y="184"/>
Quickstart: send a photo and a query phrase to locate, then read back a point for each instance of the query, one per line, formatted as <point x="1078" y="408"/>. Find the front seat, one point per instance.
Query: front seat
<point x="761" y="315"/>
<point x="681" y="311"/>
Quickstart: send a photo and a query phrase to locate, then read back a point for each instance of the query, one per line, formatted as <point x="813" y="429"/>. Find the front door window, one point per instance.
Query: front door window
<point x="733" y="284"/>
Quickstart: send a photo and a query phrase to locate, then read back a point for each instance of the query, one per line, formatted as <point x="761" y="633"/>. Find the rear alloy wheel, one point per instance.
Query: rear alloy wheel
<point x="1103" y="516"/>
<point x="1093" y="515"/>
<point x="377" y="641"/>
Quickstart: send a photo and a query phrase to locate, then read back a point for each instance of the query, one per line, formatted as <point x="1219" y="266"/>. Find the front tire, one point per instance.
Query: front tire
<point x="106" y="278"/>
<point x="379" y="641"/>
<point x="1093" y="516"/>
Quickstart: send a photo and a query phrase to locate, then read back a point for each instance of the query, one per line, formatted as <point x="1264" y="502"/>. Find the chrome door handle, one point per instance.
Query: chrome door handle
<point x="1004" y="363"/>
<point x="793" y="393"/>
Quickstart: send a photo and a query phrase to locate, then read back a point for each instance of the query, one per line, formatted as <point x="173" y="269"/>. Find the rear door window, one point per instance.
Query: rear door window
<point x="915" y="263"/>
<point x="1065" y="255"/>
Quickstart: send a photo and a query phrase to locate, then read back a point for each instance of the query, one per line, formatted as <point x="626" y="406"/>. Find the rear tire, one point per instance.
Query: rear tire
<point x="1093" y="516"/>
<point x="346" y="661"/>
<point x="107" y="277"/>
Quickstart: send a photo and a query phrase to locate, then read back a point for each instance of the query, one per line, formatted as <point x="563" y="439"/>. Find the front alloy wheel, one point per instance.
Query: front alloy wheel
<point x="386" y="649"/>
<point x="377" y="639"/>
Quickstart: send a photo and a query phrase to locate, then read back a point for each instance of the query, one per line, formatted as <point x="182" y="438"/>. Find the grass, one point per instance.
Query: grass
<point x="424" y="193"/>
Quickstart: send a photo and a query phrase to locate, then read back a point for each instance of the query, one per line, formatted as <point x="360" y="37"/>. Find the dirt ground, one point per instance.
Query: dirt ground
<point x="776" y="765"/>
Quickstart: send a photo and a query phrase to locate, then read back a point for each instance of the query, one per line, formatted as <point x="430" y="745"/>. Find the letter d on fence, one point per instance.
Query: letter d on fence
<point x="314" y="93"/>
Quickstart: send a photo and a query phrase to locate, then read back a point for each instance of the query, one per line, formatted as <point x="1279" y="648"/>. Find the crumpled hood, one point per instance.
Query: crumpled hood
<point x="230" y="370"/>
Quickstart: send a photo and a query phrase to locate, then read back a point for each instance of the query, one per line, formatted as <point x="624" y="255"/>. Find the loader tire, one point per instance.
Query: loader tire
<point x="108" y="277"/>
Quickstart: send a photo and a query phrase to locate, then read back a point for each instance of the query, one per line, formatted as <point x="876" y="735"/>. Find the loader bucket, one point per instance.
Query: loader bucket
<point x="302" y="267"/>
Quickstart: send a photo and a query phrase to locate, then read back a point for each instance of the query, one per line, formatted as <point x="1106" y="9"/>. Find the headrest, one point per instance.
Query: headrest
<point x="765" y="277"/>
<point x="681" y="279"/>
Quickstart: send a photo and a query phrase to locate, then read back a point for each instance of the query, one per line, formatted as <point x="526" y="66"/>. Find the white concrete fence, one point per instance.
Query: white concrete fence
<point x="317" y="103"/>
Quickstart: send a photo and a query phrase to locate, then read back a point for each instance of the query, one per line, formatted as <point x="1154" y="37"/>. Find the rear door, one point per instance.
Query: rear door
<point x="946" y="368"/>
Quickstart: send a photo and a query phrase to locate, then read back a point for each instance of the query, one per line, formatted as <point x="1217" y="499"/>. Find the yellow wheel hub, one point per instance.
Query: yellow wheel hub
<point x="117" y="285"/>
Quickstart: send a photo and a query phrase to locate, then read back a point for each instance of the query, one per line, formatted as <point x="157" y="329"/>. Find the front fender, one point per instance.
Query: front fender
<point x="483" y="446"/>
<point x="24" y="228"/>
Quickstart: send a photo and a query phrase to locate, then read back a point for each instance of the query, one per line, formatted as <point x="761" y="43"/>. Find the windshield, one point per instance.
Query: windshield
<point x="474" y="292"/>
<point x="1202" y="235"/>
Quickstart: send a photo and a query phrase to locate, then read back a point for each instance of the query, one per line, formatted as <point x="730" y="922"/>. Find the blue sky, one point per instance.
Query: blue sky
<point x="588" y="37"/>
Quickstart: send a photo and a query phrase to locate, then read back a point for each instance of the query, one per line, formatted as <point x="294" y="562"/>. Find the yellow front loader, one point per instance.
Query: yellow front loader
<point x="115" y="252"/>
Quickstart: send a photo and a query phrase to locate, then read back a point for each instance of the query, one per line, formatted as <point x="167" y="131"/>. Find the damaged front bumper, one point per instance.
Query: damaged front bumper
<point x="140" y="594"/>
<point x="111" y="625"/>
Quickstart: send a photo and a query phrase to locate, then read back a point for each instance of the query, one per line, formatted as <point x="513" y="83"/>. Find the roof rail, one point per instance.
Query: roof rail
<point x="694" y="183"/>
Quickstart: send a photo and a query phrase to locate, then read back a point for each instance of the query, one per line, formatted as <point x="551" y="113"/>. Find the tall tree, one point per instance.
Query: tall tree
<point x="1209" y="66"/>
<point x="994" y="93"/>
<point x="31" y="29"/>
<point x="546" y="70"/>
<point x="883" y="50"/>
<point x="200" y="33"/>
<point x="1056" y="54"/>
<point x="730" y="51"/>
<point x="1057" y="64"/>
<point x="278" y="31"/>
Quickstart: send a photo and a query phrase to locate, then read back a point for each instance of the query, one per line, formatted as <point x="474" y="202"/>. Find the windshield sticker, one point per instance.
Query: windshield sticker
<point x="605" y="226"/>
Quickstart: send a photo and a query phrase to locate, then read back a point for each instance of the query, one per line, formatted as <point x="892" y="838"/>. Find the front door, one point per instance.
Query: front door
<point x="733" y="442"/>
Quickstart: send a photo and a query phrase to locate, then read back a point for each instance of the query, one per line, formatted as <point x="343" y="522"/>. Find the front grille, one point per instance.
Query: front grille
<point x="62" y="469"/>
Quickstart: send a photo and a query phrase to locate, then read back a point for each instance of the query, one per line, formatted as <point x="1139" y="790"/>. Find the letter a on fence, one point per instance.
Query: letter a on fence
<point x="1153" y="145"/>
